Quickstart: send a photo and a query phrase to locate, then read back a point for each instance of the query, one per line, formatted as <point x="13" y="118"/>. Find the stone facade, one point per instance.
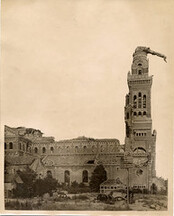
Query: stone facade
<point x="15" y="144"/>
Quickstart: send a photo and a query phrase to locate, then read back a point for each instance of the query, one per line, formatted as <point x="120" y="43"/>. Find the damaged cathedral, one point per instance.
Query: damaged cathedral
<point x="75" y="159"/>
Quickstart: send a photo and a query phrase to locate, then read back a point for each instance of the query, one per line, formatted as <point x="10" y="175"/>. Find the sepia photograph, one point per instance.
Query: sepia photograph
<point x="87" y="107"/>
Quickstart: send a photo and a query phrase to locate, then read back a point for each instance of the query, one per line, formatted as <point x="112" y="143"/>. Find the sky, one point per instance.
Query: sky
<point x="64" y="66"/>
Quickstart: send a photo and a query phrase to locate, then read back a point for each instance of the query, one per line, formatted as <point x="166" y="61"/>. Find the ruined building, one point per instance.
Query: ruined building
<point x="75" y="159"/>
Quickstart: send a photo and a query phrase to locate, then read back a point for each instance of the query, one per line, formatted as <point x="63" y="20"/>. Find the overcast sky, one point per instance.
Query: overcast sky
<point x="65" y="64"/>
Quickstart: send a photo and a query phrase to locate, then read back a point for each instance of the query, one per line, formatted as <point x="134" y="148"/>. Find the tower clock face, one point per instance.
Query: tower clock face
<point x="140" y="161"/>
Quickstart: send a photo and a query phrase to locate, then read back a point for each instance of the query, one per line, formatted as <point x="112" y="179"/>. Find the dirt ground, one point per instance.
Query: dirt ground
<point x="149" y="202"/>
<point x="140" y="202"/>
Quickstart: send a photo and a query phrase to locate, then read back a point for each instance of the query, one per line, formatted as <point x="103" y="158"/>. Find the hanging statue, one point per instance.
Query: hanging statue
<point x="146" y="50"/>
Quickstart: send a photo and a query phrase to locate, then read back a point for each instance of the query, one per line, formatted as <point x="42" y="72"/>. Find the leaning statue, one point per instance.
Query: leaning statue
<point x="140" y="50"/>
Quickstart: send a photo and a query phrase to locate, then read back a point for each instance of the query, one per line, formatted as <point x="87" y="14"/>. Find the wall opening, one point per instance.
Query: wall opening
<point x="43" y="150"/>
<point x="52" y="150"/>
<point x="139" y="100"/>
<point x="10" y="145"/>
<point x="85" y="176"/>
<point x="67" y="177"/>
<point x="144" y="101"/>
<point x="35" y="150"/>
<point x="135" y="101"/>
<point x="139" y="113"/>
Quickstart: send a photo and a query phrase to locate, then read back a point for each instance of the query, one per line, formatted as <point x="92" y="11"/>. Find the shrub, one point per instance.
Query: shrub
<point x="98" y="176"/>
<point x="18" y="205"/>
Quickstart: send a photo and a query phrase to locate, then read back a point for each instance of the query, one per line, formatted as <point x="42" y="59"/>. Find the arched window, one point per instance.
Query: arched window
<point x="43" y="150"/>
<point x="5" y="145"/>
<point x="135" y="101"/>
<point x="10" y="145"/>
<point x="144" y="113"/>
<point x="139" y="100"/>
<point x="35" y="150"/>
<point x="139" y="113"/>
<point x="23" y="147"/>
<point x="135" y="113"/>
<point x="84" y="148"/>
<point x="144" y="101"/>
<point x="20" y="146"/>
<point x="127" y="116"/>
<point x="76" y="149"/>
<point x="52" y="150"/>
<point x="139" y="172"/>
<point x="67" y="177"/>
<point x="85" y="176"/>
<point x="139" y="72"/>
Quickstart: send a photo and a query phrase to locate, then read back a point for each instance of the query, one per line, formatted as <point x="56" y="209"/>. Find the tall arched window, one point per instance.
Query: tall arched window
<point x="35" y="150"/>
<point x="27" y="147"/>
<point x="135" y="101"/>
<point x="144" y="101"/>
<point x="43" y="150"/>
<point x="5" y="145"/>
<point x="23" y="147"/>
<point x="67" y="177"/>
<point x="52" y="150"/>
<point x="139" y="100"/>
<point x="20" y="146"/>
<point x="10" y="145"/>
<point x="85" y="176"/>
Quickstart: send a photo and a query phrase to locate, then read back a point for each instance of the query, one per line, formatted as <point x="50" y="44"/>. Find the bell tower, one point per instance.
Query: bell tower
<point x="138" y="120"/>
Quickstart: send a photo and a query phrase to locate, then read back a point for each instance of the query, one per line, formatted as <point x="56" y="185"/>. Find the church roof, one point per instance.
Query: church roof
<point x="112" y="182"/>
<point x="19" y="160"/>
<point x="89" y="139"/>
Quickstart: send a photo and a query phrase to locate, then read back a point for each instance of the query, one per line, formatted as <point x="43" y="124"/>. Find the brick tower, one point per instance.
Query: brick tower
<point x="138" y="120"/>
